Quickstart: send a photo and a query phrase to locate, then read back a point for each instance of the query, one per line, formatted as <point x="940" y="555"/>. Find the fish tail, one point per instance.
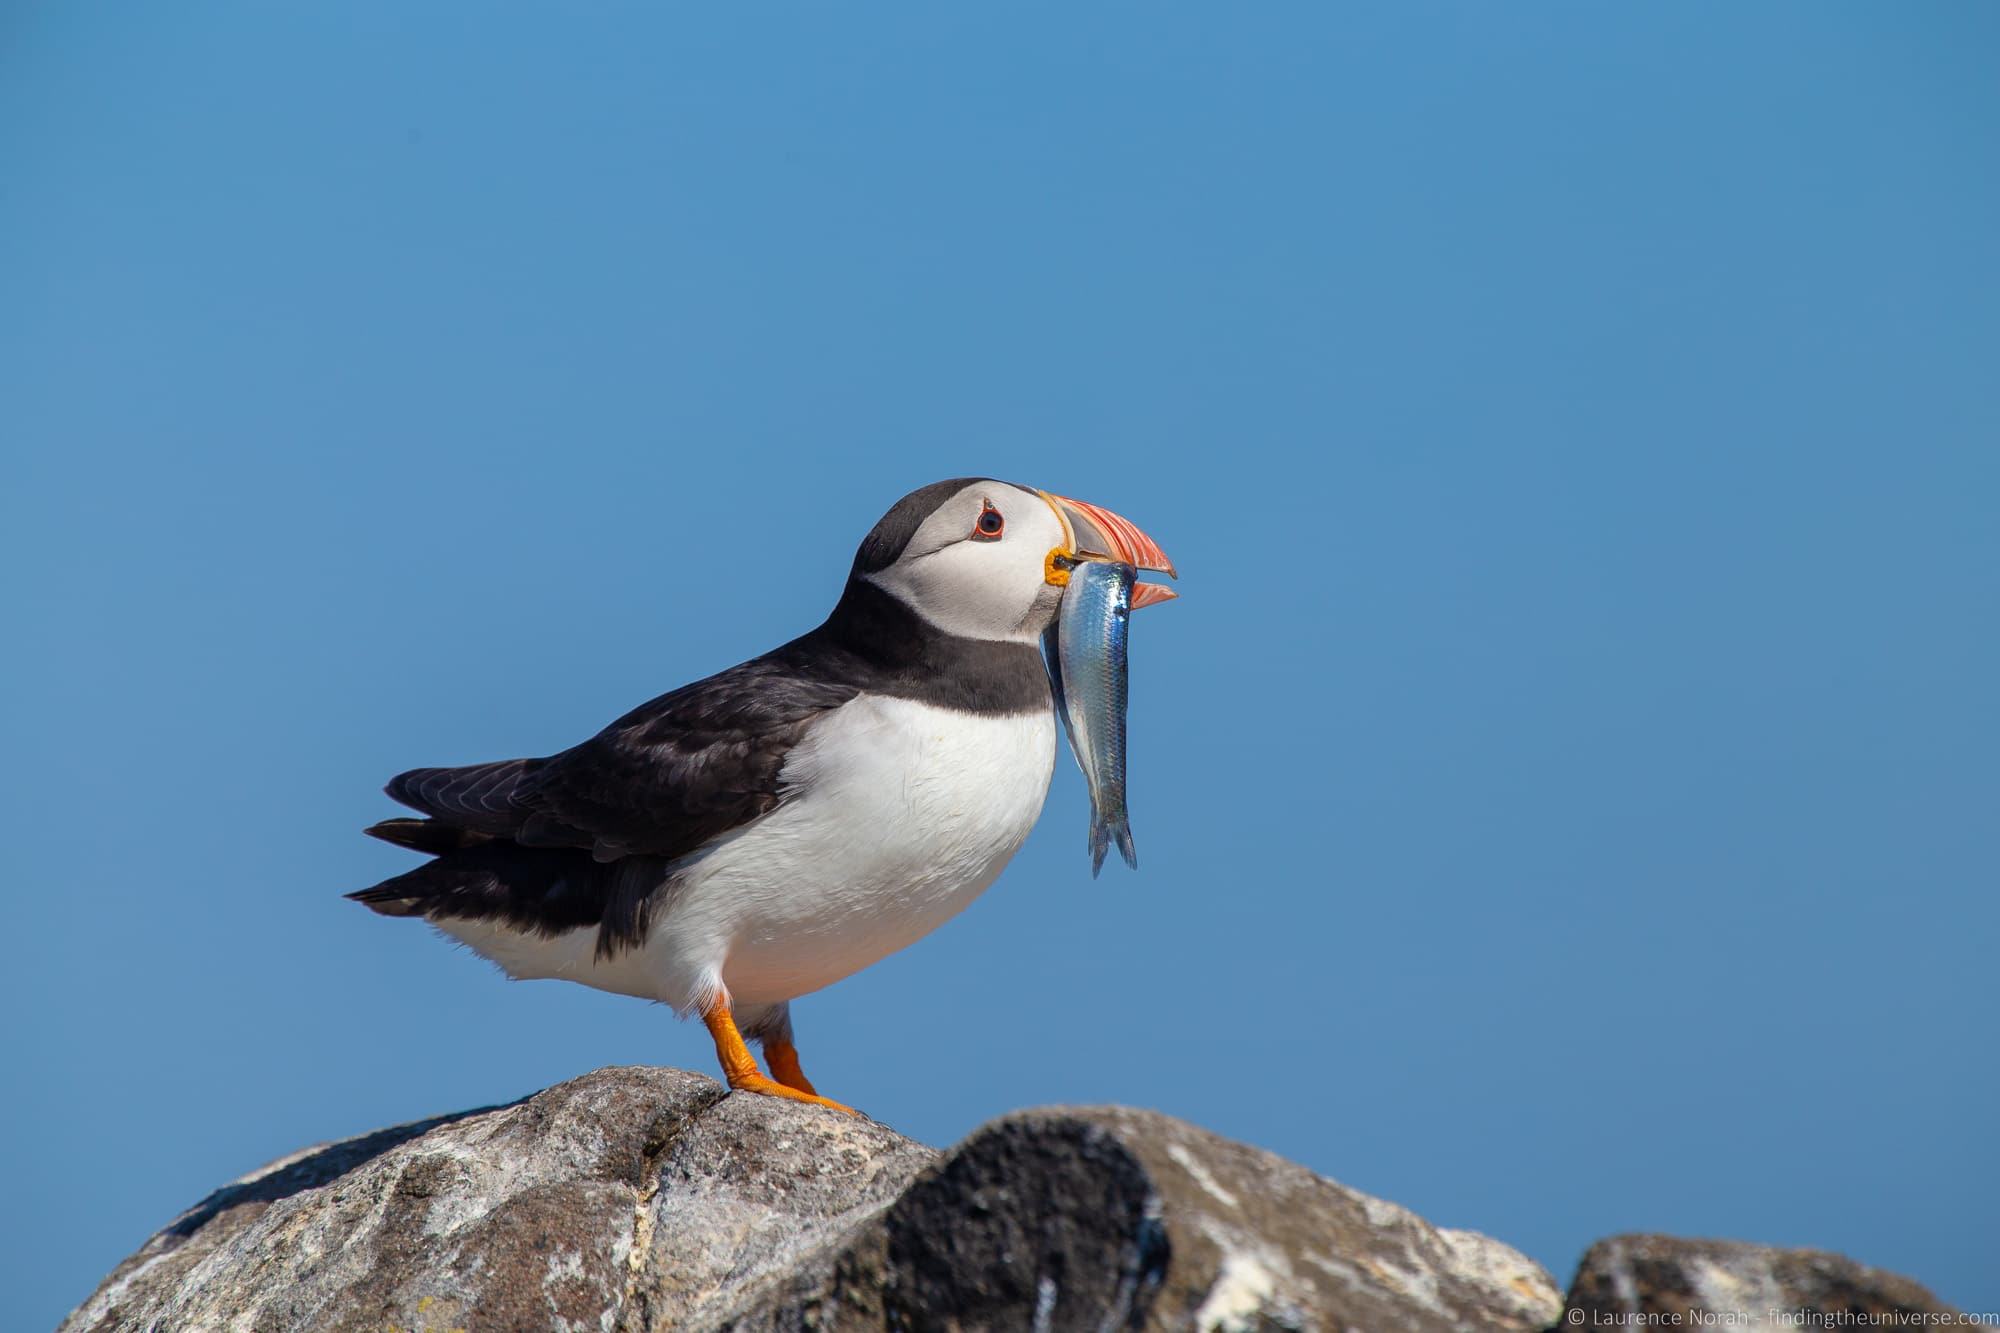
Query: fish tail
<point x="1104" y="830"/>
<point x="1121" y="829"/>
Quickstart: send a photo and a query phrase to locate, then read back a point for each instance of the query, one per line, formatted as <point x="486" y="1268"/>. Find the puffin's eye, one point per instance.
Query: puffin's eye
<point x="990" y="525"/>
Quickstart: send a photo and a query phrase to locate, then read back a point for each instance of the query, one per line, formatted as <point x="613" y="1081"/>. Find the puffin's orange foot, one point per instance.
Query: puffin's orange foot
<point x="770" y="1087"/>
<point x="783" y="1058"/>
<point x="742" y="1073"/>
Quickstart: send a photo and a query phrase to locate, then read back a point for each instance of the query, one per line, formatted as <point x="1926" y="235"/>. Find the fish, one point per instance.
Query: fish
<point x="1085" y="649"/>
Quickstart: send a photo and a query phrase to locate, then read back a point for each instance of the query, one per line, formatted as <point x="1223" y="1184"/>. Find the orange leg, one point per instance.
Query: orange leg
<point x="783" y="1057"/>
<point x="741" y="1071"/>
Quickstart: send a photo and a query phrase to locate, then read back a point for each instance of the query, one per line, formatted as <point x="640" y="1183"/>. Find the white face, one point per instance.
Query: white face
<point x="975" y="567"/>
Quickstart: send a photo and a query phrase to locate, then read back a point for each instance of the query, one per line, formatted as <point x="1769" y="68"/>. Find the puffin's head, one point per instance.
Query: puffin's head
<point x="987" y="559"/>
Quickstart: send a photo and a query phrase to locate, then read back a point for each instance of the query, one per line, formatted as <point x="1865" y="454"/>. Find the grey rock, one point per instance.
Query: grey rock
<point x="1733" y="1284"/>
<point x="755" y="1191"/>
<point x="635" y="1200"/>
<point x="637" y="1193"/>
<point x="1110" y="1217"/>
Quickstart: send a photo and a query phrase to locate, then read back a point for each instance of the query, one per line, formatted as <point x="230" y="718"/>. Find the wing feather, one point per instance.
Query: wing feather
<point x="687" y="767"/>
<point x="488" y="798"/>
<point x="661" y="781"/>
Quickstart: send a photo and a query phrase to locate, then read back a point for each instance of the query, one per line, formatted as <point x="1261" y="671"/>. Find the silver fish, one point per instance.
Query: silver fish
<point x="1086" y="648"/>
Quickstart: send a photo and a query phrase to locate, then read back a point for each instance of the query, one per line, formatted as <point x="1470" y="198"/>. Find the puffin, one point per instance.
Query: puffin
<point x="767" y="831"/>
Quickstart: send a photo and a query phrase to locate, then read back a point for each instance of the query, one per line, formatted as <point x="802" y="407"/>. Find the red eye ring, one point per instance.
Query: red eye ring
<point x="989" y="526"/>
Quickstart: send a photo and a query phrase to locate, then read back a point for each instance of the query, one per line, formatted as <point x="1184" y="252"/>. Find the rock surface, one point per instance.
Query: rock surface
<point x="635" y="1200"/>
<point x="1728" y="1283"/>
<point x="645" y="1199"/>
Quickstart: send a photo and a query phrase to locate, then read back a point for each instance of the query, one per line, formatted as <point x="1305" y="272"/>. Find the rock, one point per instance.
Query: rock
<point x="1732" y="1284"/>
<point x="627" y="1191"/>
<point x="633" y="1200"/>
<point x="1080" y="1214"/>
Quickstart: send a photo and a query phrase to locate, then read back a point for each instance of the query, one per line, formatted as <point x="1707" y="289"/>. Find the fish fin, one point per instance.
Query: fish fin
<point x="1100" y="841"/>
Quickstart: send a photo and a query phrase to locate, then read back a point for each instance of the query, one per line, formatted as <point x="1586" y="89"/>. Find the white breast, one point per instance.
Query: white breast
<point x="902" y="815"/>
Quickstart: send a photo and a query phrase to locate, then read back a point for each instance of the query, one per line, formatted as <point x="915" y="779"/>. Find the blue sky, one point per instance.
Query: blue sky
<point x="1565" y="792"/>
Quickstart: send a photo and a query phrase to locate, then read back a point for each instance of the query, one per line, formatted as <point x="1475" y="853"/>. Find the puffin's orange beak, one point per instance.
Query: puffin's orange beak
<point x="1095" y="533"/>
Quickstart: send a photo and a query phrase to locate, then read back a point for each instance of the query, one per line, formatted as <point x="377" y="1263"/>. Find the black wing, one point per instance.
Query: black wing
<point x="691" y="765"/>
<point x="589" y="836"/>
<point x="478" y="798"/>
<point x="661" y="781"/>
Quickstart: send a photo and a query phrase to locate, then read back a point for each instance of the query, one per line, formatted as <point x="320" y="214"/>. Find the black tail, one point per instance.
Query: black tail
<point x="391" y="899"/>
<point x="542" y="890"/>
<point x="426" y="835"/>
